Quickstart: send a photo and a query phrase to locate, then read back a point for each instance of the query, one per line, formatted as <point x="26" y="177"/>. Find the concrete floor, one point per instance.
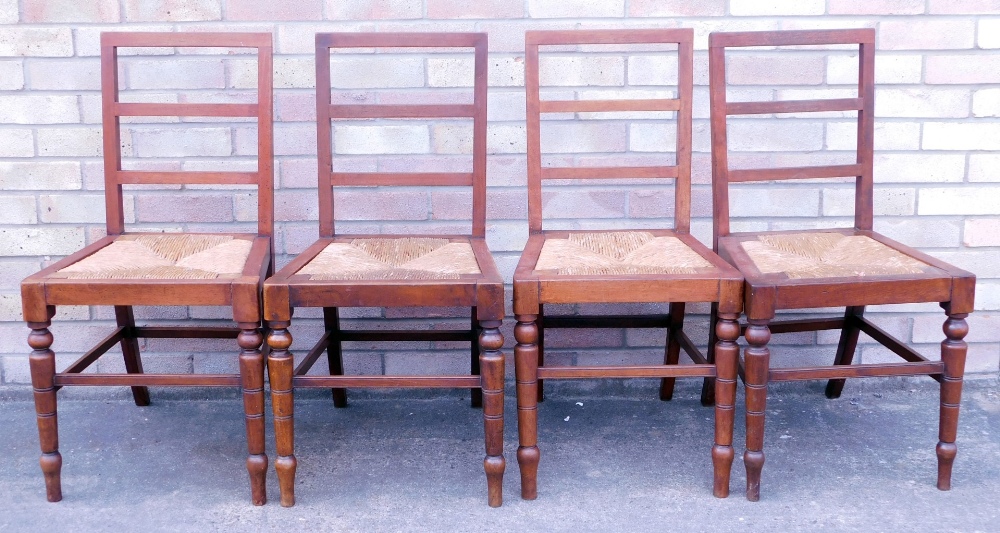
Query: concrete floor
<point x="406" y="462"/>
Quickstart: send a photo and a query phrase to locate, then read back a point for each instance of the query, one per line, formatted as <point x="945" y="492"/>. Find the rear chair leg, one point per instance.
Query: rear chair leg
<point x="475" y="392"/>
<point x="334" y="353"/>
<point x="492" y="378"/>
<point x="672" y="352"/>
<point x="43" y="370"/>
<point x="708" y="387"/>
<point x="846" y="348"/>
<point x="130" y="349"/>
<point x="540" y="343"/>
<point x="756" y="360"/>
<point x="252" y="376"/>
<point x="953" y="352"/>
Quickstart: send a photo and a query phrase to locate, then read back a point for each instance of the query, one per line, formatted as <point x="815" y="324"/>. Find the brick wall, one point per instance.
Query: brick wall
<point x="937" y="138"/>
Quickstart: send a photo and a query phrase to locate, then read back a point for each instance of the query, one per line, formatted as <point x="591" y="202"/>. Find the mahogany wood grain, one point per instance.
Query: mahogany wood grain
<point x="765" y="294"/>
<point x="718" y="282"/>
<point x="483" y="293"/>
<point x="43" y="291"/>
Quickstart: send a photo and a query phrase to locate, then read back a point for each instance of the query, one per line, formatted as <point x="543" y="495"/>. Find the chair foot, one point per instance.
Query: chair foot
<point x="946" y="452"/>
<point x="754" y="462"/>
<point x="494" y="466"/>
<point x="527" y="462"/>
<point x="257" y="467"/>
<point x="722" y="464"/>
<point x="285" y="466"/>
<point x="51" y="464"/>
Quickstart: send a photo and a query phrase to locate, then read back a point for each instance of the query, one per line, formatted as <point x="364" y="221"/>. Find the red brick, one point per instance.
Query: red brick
<point x="676" y="8"/>
<point x="285" y="10"/>
<point x="763" y="69"/>
<point x="959" y="69"/>
<point x="374" y="9"/>
<point x="964" y="7"/>
<point x="480" y="9"/>
<point x="41" y="42"/>
<point x="190" y="207"/>
<point x="574" y="204"/>
<point x="370" y="204"/>
<point x="70" y="11"/>
<point x="172" y="10"/>
<point x="930" y="34"/>
<point x="875" y="7"/>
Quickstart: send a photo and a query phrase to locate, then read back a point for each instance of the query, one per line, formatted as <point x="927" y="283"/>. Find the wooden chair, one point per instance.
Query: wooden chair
<point x="660" y="265"/>
<point x="391" y="270"/>
<point x="126" y="269"/>
<point x="852" y="268"/>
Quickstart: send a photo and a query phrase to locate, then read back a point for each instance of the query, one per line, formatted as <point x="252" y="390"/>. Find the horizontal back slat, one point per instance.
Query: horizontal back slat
<point x="143" y="109"/>
<point x="630" y="36"/>
<point x="599" y="106"/>
<point x="791" y="38"/>
<point x="146" y="177"/>
<point x="794" y="173"/>
<point x="192" y="40"/>
<point x="403" y="111"/>
<point x="566" y="173"/>
<point x="370" y="179"/>
<point x="794" y="106"/>
<point x="400" y="40"/>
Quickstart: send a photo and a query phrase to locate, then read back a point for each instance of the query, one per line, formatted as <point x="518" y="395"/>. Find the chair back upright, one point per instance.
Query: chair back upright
<point x="721" y="109"/>
<point x="113" y="109"/>
<point x="680" y="171"/>
<point x="327" y="111"/>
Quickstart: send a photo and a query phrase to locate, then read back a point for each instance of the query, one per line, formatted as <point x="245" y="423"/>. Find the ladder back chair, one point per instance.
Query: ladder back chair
<point x="849" y="268"/>
<point x="126" y="269"/>
<point x="616" y="266"/>
<point x="342" y="270"/>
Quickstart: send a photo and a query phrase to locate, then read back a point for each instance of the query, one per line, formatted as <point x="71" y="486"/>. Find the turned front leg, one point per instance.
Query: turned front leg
<point x="491" y="363"/>
<point x="43" y="370"/>
<point x="280" y="370"/>
<point x="526" y="373"/>
<point x="252" y="377"/>
<point x="727" y="354"/>
<point x="756" y="360"/>
<point x="953" y="352"/>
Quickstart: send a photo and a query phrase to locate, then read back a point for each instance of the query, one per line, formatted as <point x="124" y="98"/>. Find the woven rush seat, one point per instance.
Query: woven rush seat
<point x="828" y="255"/>
<point x="619" y="252"/>
<point x="404" y="258"/>
<point x="164" y="256"/>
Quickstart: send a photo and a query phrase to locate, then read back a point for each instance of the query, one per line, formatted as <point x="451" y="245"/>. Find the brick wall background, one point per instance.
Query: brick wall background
<point x="937" y="164"/>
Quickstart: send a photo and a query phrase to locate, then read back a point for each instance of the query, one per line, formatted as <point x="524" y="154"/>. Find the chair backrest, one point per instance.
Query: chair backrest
<point x="325" y="112"/>
<point x="864" y="104"/>
<point x="113" y="109"/>
<point x="681" y="171"/>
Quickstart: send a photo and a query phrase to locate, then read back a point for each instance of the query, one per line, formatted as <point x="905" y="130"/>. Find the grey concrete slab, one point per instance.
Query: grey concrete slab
<point x="864" y="462"/>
